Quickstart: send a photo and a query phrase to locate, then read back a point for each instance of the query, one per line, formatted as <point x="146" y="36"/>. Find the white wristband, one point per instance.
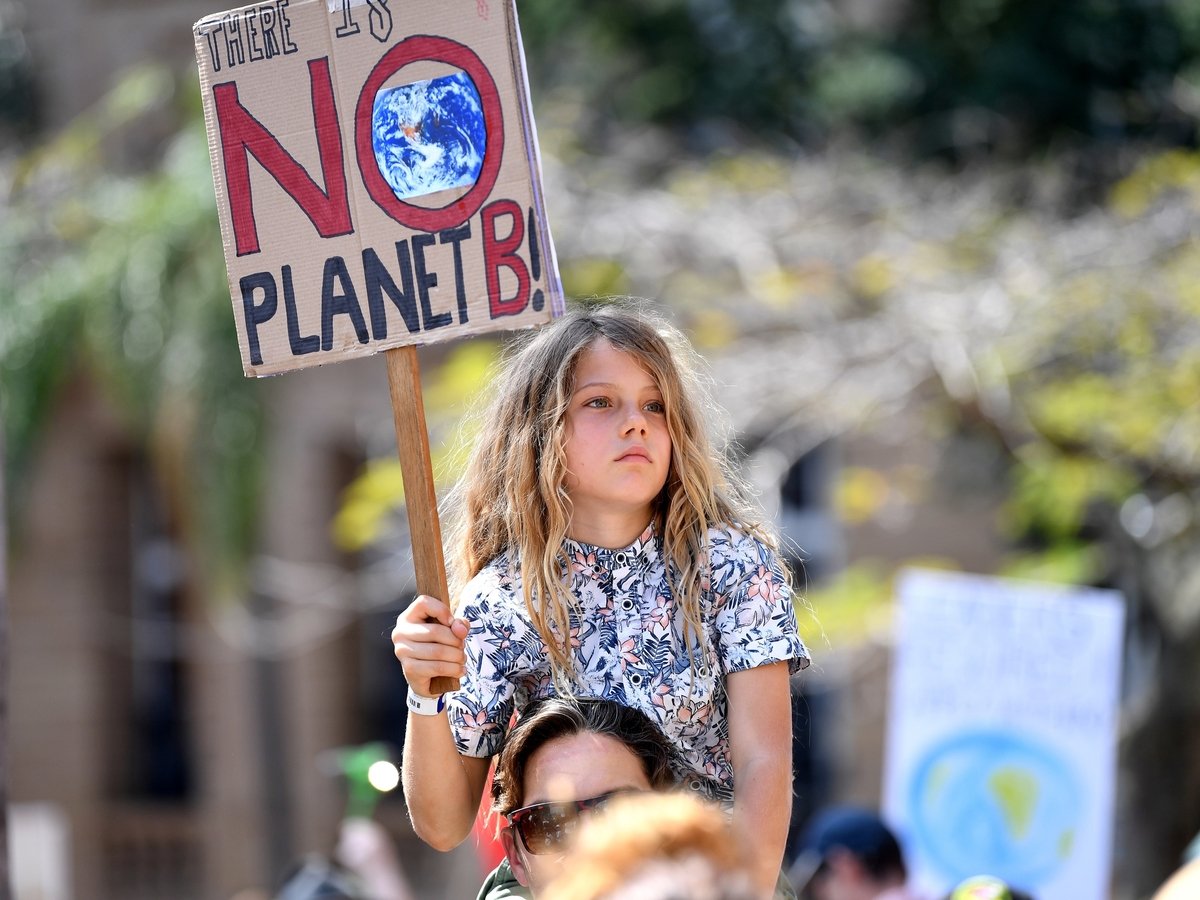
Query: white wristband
<point x="425" y="706"/>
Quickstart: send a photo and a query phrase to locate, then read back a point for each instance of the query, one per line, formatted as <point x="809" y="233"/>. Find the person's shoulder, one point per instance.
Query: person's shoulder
<point x="731" y="541"/>
<point x="497" y="583"/>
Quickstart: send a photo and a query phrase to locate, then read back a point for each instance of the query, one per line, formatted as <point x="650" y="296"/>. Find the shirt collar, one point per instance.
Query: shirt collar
<point x="643" y="551"/>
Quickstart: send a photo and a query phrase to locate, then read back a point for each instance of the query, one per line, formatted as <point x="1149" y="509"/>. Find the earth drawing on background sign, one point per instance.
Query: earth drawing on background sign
<point x="429" y="136"/>
<point x="989" y="801"/>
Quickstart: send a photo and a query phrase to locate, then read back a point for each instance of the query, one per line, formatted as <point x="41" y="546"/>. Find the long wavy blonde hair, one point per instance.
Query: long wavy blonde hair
<point x="512" y="494"/>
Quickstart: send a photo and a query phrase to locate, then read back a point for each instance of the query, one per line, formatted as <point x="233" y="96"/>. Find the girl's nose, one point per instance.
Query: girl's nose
<point x="635" y="421"/>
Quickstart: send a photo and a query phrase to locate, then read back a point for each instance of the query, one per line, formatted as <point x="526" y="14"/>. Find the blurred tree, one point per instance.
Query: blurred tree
<point x="1013" y="74"/>
<point x="951" y="77"/>
<point x="116" y="278"/>
<point x="18" y="112"/>
<point x="5" y="879"/>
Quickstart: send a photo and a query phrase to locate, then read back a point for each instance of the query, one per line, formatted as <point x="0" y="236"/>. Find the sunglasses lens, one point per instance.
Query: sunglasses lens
<point x="545" y="828"/>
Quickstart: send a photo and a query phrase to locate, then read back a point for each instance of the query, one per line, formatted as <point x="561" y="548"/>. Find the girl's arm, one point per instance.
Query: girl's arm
<point x="760" y="740"/>
<point x="442" y="788"/>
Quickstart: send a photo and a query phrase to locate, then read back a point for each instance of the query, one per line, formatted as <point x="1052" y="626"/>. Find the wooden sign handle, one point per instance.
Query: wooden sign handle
<point x="420" y="498"/>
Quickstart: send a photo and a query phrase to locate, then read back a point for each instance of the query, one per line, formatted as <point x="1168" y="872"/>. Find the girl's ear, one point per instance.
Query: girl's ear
<point x="509" y="840"/>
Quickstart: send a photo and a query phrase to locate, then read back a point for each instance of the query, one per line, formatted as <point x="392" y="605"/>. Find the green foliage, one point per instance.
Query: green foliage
<point x="1105" y="375"/>
<point x="952" y="75"/>
<point x="856" y="601"/>
<point x="847" y="607"/>
<point x="861" y="84"/>
<point x="1174" y="170"/>
<point x="373" y="497"/>
<point x="18" y="109"/>
<point x="1053" y="490"/>
<point x="672" y="62"/>
<point x="1069" y="562"/>
<point x="594" y="278"/>
<point x="119" y="279"/>
<point x="1095" y="69"/>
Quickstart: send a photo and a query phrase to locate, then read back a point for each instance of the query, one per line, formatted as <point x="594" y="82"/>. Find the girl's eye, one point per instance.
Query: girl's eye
<point x="656" y="406"/>
<point x="596" y="403"/>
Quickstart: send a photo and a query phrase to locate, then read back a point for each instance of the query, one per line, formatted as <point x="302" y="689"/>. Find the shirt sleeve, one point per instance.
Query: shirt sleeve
<point x="480" y="710"/>
<point x="755" y="620"/>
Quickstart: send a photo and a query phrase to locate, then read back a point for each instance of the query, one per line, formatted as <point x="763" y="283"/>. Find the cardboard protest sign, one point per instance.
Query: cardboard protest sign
<point x="377" y="175"/>
<point x="1002" y="731"/>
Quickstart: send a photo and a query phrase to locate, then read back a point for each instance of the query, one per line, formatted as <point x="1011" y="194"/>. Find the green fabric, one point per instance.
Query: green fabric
<point x="502" y="884"/>
<point x="784" y="889"/>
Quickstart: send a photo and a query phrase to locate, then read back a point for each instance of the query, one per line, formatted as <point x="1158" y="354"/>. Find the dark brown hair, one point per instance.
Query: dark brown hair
<point x="556" y="717"/>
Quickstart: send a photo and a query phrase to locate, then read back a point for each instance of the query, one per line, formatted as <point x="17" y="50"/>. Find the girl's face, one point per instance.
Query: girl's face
<point x="618" y="448"/>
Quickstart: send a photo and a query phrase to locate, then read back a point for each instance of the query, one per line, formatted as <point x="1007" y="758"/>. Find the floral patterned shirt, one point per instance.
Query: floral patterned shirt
<point x="627" y="639"/>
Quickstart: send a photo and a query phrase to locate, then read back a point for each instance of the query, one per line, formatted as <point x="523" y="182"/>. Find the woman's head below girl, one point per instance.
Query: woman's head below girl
<point x="564" y="757"/>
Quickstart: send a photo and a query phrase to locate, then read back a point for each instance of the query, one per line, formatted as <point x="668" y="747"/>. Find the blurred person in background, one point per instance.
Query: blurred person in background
<point x="1185" y="883"/>
<point x="850" y="854"/>
<point x="655" y="847"/>
<point x="986" y="887"/>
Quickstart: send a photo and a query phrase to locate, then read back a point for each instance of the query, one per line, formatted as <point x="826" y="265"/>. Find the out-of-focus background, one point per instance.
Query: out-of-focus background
<point x="941" y="256"/>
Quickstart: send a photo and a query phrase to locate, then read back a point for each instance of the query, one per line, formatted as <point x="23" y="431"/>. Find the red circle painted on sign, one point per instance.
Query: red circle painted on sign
<point x="415" y="49"/>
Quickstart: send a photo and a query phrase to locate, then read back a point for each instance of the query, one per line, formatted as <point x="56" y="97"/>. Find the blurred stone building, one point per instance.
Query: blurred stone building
<point x="184" y="744"/>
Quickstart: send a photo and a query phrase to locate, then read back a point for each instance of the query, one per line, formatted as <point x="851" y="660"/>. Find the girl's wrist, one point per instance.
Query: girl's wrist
<point x="425" y="705"/>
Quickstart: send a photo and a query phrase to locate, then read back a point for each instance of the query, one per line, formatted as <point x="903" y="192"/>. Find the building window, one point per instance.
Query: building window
<point x="158" y="764"/>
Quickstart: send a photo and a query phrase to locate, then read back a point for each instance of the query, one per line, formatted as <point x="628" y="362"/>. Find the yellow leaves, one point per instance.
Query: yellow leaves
<point x="379" y="489"/>
<point x="1172" y="170"/>
<point x="366" y="504"/>
<point x="140" y="89"/>
<point x="1065" y="563"/>
<point x="692" y="186"/>
<point x="1051" y="491"/>
<point x="462" y="376"/>
<point x="712" y="329"/>
<point x="1182" y="275"/>
<point x="1182" y="382"/>
<point x="859" y="494"/>
<point x="1135" y="337"/>
<point x="1085" y="292"/>
<point x="741" y="173"/>
<point x="862" y="494"/>
<point x="593" y="277"/>
<point x="929" y="261"/>
<point x="751" y="172"/>
<point x="1070" y="410"/>
<point x="856" y="601"/>
<point x="1130" y="413"/>
<point x="873" y="276"/>
<point x="783" y="288"/>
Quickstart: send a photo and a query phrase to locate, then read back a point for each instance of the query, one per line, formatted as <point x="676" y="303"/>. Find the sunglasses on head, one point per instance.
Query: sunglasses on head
<point x="544" y="827"/>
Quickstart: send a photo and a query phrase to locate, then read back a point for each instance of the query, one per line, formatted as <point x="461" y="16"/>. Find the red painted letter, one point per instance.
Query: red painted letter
<point x="498" y="253"/>
<point x="243" y="135"/>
